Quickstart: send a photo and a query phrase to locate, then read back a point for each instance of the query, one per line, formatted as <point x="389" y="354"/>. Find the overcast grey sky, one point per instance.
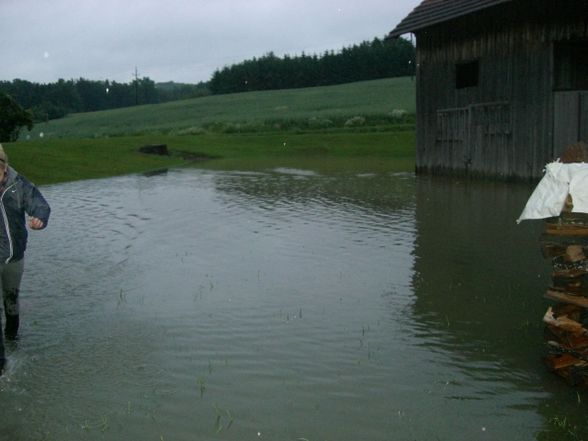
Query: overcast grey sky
<point x="176" y="40"/>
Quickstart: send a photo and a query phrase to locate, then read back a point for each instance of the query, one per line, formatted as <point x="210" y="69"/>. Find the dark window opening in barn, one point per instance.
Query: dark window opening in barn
<point x="570" y="65"/>
<point x="466" y="74"/>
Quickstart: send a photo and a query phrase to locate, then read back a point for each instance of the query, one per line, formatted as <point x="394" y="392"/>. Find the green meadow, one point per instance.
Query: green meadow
<point x="372" y="121"/>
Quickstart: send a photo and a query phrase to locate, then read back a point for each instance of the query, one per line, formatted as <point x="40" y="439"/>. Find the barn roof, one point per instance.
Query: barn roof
<point x="431" y="12"/>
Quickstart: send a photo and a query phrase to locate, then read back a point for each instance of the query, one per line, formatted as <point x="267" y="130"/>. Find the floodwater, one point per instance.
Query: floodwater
<point x="285" y="304"/>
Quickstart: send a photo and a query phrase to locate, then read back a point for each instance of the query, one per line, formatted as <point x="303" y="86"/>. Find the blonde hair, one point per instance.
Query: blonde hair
<point x="3" y="158"/>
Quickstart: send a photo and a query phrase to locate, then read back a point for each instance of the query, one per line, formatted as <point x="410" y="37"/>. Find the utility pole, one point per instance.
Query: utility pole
<point x="136" y="76"/>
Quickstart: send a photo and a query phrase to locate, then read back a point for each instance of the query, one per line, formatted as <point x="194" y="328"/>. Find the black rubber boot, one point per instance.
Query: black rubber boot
<point x="11" y="328"/>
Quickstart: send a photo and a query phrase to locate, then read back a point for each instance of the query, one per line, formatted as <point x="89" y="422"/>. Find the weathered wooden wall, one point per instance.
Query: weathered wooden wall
<point x="505" y="125"/>
<point x="570" y="117"/>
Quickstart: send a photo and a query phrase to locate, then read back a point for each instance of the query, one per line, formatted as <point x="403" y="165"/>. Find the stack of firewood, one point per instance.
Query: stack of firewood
<point x="565" y="242"/>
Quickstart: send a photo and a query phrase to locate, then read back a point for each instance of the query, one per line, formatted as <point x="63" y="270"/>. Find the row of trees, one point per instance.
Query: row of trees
<point x="379" y="58"/>
<point x="55" y="100"/>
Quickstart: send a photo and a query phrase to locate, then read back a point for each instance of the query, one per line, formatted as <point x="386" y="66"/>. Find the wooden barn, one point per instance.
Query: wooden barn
<point x="502" y="85"/>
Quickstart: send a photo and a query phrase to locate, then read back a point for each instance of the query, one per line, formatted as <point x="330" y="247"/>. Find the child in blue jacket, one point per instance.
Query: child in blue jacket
<point x="18" y="197"/>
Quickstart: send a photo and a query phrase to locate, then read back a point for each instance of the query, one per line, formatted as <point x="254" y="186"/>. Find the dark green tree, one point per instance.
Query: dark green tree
<point x="369" y="60"/>
<point x="55" y="100"/>
<point x="12" y="118"/>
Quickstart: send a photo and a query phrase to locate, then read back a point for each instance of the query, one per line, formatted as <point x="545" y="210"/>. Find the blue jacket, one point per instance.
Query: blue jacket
<point x="19" y="196"/>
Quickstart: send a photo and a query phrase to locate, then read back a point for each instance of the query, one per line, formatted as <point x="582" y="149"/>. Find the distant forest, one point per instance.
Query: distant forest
<point x="379" y="58"/>
<point x="55" y="100"/>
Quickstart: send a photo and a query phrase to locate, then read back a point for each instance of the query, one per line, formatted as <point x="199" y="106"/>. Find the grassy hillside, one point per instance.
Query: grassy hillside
<point x="373" y="103"/>
<point x="364" y="126"/>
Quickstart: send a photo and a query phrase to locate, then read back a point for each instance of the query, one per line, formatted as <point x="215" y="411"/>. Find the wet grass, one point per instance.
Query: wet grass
<point x="563" y="429"/>
<point x="48" y="161"/>
<point x="224" y="419"/>
<point x="201" y="383"/>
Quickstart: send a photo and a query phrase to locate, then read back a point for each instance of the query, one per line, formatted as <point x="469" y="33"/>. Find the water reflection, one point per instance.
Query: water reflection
<point x="478" y="275"/>
<point x="282" y="303"/>
<point x="479" y="280"/>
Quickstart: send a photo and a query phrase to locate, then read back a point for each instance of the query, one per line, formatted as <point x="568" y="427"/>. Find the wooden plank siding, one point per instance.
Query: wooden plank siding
<point x="504" y="125"/>
<point x="570" y="118"/>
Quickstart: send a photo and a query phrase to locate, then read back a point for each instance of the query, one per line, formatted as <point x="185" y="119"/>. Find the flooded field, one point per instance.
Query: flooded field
<point x="285" y="304"/>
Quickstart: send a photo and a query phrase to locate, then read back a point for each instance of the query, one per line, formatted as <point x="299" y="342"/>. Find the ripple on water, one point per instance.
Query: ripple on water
<point x="287" y="303"/>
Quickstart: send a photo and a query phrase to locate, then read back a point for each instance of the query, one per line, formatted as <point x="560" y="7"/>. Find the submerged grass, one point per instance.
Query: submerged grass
<point x="224" y="419"/>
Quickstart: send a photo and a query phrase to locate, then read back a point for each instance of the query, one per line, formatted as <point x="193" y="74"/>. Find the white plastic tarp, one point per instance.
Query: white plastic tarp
<point x="548" y="198"/>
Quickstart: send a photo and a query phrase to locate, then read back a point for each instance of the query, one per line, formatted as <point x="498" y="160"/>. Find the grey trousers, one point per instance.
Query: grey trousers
<point x="10" y="278"/>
